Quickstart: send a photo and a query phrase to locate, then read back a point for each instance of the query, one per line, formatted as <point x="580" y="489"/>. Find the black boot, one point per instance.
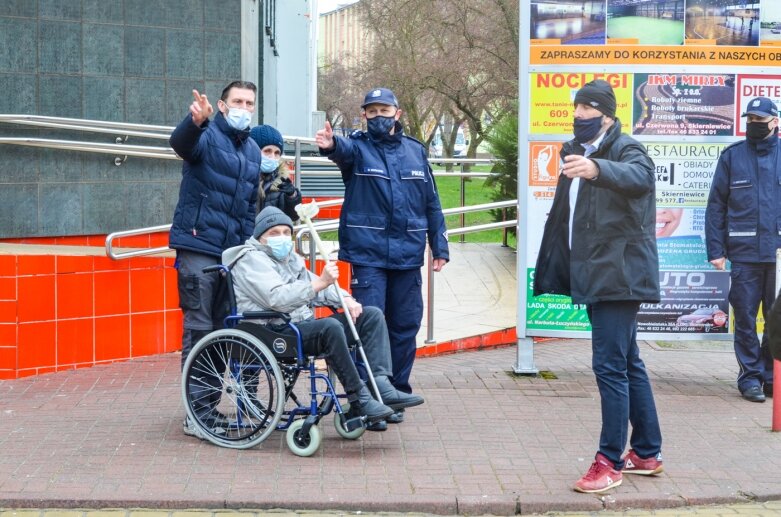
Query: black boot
<point x="394" y="398"/>
<point x="366" y="406"/>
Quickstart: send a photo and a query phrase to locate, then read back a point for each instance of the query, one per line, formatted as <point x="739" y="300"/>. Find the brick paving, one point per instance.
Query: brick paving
<point x="485" y="442"/>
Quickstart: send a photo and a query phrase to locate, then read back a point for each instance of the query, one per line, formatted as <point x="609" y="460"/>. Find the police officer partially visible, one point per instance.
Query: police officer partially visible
<point x="391" y="206"/>
<point x="743" y="224"/>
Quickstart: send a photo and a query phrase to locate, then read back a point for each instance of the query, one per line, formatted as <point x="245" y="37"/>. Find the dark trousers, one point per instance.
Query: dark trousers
<point x="196" y="296"/>
<point x="752" y="283"/>
<point x="331" y="336"/>
<point x="624" y="389"/>
<point x="397" y="293"/>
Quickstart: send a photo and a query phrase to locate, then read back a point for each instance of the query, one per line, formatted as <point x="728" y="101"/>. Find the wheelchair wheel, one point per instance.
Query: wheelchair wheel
<point x="302" y="444"/>
<point x="233" y="390"/>
<point x="341" y="431"/>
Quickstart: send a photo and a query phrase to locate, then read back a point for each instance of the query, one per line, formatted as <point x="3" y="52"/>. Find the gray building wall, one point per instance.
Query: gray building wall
<point x="119" y="60"/>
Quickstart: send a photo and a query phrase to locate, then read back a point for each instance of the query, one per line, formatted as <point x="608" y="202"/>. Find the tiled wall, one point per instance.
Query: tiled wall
<point x="118" y="60"/>
<point x="59" y="312"/>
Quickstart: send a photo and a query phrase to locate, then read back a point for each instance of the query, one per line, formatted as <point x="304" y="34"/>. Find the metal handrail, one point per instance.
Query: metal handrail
<point x="167" y="227"/>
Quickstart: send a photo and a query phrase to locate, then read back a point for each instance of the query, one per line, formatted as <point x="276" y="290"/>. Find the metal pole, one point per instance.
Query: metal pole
<point x="430" y="307"/>
<point x="462" y="217"/>
<point x="297" y="163"/>
<point x="776" y="426"/>
<point x="524" y="364"/>
<point x="504" y="230"/>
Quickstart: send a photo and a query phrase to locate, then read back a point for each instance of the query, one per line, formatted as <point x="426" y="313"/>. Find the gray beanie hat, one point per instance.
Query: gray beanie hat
<point x="268" y="218"/>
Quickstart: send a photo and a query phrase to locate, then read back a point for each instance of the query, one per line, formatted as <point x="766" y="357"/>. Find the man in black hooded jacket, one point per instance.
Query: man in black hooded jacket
<point x="599" y="247"/>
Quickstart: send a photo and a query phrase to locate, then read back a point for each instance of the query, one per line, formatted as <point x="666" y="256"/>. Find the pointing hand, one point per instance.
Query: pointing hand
<point x="325" y="137"/>
<point x="200" y="109"/>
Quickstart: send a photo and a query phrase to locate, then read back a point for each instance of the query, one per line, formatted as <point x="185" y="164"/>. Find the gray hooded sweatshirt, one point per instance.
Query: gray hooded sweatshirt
<point x="262" y="282"/>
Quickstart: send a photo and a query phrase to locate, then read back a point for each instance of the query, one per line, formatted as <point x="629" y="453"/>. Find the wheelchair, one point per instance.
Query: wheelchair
<point x="237" y="384"/>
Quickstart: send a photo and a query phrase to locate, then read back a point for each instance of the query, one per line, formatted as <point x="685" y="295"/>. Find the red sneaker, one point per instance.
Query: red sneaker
<point x="600" y="477"/>
<point x="634" y="464"/>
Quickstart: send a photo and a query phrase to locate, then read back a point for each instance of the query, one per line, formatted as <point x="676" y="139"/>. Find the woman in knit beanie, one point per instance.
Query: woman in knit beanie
<point x="275" y="189"/>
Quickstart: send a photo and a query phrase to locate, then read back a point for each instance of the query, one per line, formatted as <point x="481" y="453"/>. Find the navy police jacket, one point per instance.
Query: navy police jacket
<point x="743" y="216"/>
<point x="219" y="188"/>
<point x="390" y="202"/>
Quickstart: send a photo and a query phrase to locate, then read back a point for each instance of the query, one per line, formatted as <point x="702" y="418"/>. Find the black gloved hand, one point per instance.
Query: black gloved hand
<point x="287" y="188"/>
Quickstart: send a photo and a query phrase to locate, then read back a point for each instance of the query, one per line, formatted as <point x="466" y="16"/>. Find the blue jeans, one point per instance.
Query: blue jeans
<point x="624" y="389"/>
<point x="396" y="292"/>
<point x="752" y="283"/>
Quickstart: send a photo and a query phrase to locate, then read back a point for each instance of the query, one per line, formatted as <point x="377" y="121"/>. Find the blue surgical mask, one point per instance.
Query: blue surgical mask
<point x="586" y="130"/>
<point x="380" y="126"/>
<point x="238" y="118"/>
<point x="280" y="245"/>
<point x="267" y="164"/>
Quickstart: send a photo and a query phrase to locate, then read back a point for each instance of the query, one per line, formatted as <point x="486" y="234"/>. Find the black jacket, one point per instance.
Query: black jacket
<point x="773" y="330"/>
<point x="613" y="256"/>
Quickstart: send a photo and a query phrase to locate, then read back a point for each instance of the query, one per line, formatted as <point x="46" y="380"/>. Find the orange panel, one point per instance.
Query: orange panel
<point x="147" y="334"/>
<point x="7" y="358"/>
<point x="171" y="288"/>
<point x="74" y="342"/>
<point x="96" y="240"/>
<point x="36" y="298"/>
<point x="8" y="265"/>
<point x="173" y="330"/>
<point x="112" y="293"/>
<point x="7" y="288"/>
<point x="108" y="264"/>
<point x="36" y="346"/>
<point x="112" y="338"/>
<point x="136" y="241"/>
<point x="158" y="240"/>
<point x="74" y="296"/>
<point x="8" y="334"/>
<point x="8" y="311"/>
<point x="6" y="375"/>
<point x="146" y="262"/>
<point x="147" y="290"/>
<point x="36" y="265"/>
<point x="74" y="264"/>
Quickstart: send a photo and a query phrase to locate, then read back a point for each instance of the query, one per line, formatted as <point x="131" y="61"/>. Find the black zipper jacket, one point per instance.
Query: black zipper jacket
<point x="613" y="255"/>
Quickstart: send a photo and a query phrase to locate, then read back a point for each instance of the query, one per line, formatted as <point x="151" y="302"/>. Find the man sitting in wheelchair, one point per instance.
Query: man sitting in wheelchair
<point x="269" y="275"/>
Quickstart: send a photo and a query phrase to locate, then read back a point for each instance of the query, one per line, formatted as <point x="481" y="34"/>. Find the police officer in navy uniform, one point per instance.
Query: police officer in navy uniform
<point x="743" y="224"/>
<point x="391" y="206"/>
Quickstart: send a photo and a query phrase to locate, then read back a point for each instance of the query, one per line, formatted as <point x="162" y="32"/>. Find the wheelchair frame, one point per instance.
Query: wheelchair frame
<point x="235" y="389"/>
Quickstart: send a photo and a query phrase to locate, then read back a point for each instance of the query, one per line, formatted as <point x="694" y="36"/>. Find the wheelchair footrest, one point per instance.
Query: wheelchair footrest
<point x="352" y="424"/>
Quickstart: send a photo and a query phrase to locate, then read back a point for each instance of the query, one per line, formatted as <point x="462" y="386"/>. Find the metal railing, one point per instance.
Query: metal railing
<point x="334" y="225"/>
<point x="121" y="149"/>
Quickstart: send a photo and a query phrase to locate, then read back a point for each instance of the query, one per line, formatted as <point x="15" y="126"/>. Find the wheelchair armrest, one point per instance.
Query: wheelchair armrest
<point x="265" y="315"/>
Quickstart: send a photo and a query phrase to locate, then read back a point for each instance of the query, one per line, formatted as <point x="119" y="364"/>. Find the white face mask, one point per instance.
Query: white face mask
<point x="281" y="245"/>
<point x="238" y="118"/>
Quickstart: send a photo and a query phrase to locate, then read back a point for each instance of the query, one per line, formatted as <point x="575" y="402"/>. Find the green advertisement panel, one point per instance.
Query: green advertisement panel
<point x="553" y="312"/>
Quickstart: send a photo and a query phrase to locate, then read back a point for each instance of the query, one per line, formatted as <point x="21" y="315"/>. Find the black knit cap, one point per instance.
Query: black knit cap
<point x="599" y="95"/>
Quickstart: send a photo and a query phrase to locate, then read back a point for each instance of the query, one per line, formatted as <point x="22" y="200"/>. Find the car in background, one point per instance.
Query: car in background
<point x="459" y="148"/>
<point x="704" y="317"/>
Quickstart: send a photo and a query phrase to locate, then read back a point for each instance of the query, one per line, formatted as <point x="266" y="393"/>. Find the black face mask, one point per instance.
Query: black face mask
<point x="756" y="131"/>
<point x="380" y="126"/>
<point x="585" y="130"/>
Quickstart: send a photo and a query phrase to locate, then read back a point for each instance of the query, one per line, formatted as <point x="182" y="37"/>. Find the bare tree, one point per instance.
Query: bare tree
<point x="455" y="57"/>
<point x="337" y="91"/>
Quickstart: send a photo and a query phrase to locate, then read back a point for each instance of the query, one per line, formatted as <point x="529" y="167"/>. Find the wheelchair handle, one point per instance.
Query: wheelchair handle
<point x="215" y="267"/>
